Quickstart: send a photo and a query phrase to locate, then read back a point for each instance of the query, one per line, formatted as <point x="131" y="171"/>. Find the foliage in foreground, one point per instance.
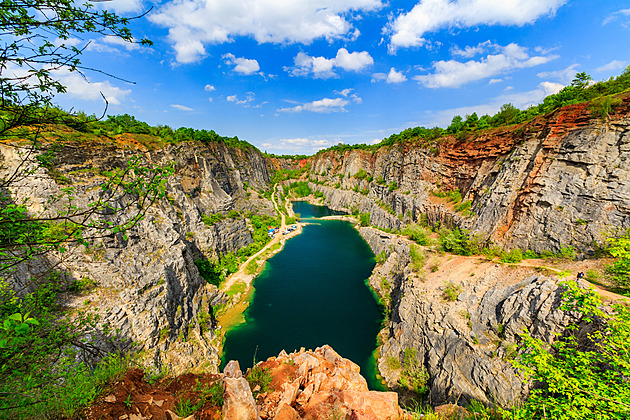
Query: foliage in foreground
<point x="580" y="379"/>
<point x="620" y="269"/>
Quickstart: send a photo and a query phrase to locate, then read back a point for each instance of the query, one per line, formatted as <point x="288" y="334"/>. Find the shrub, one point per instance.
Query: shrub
<point x="529" y="254"/>
<point x="414" y="376"/>
<point x="393" y="186"/>
<point x="513" y="256"/>
<point x="381" y="257"/>
<point x="417" y="258"/>
<point x="211" y="219"/>
<point x="455" y="241"/>
<point x="393" y="362"/>
<point x="619" y="270"/>
<point x="577" y="381"/>
<point x="362" y="174"/>
<point x="215" y="393"/>
<point x="208" y="271"/>
<point x="418" y="234"/>
<point x="259" y="376"/>
<point x="364" y="219"/>
<point x="451" y="291"/>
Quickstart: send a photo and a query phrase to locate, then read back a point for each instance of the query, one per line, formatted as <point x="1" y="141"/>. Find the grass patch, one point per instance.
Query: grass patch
<point x="451" y="291"/>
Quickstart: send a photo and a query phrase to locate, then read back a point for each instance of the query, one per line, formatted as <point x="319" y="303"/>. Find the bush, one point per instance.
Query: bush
<point x="381" y="258"/>
<point x="574" y="380"/>
<point x="529" y="254"/>
<point x="513" y="256"/>
<point x="418" y="234"/>
<point x="211" y="219"/>
<point x="414" y="376"/>
<point x="619" y="270"/>
<point x="362" y="174"/>
<point x="455" y="241"/>
<point x="259" y="376"/>
<point x="301" y="188"/>
<point x="451" y="291"/>
<point x="418" y="259"/>
<point x="364" y="219"/>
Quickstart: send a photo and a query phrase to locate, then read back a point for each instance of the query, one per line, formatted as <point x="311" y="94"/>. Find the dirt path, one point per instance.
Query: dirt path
<point x="241" y="275"/>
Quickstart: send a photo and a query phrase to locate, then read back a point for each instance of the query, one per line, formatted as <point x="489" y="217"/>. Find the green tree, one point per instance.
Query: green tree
<point x="582" y="376"/>
<point x="35" y="34"/>
<point x="43" y="354"/>
<point x="619" y="270"/>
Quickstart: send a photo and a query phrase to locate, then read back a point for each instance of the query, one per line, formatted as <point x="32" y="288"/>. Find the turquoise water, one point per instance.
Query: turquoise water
<point x="310" y="294"/>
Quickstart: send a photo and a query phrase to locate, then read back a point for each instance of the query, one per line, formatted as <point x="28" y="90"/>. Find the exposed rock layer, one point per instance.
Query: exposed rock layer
<point x="148" y="287"/>
<point x="466" y="344"/>
<point x="559" y="180"/>
<point x="321" y="384"/>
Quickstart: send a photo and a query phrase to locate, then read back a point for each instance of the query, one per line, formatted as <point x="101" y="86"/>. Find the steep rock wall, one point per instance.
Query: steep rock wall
<point x="465" y="345"/>
<point x="559" y="180"/>
<point x="148" y="287"/>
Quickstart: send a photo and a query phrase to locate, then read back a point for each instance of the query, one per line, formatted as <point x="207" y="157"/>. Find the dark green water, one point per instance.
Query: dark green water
<point x="310" y="294"/>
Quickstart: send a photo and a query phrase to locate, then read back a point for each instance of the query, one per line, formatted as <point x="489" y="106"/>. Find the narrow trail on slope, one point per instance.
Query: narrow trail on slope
<point x="241" y="275"/>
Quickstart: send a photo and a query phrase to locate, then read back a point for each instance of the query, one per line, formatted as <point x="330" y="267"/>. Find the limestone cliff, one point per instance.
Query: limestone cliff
<point x="562" y="179"/>
<point x="148" y="289"/>
<point x="465" y="344"/>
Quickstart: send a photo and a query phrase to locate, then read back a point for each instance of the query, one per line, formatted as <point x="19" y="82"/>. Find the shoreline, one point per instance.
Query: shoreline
<point x="233" y="314"/>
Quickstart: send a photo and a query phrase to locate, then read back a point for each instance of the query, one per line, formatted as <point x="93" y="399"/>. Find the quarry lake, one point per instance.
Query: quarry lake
<point x="312" y="293"/>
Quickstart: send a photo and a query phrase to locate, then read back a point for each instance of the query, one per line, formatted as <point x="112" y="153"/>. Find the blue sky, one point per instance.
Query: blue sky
<point x="294" y="76"/>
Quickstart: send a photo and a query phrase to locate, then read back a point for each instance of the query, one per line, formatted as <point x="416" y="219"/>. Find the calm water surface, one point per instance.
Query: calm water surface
<point x="310" y="294"/>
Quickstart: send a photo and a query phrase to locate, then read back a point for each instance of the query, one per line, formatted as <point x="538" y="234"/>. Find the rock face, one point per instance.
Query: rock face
<point x="148" y="288"/>
<point x="320" y="384"/>
<point x="465" y="344"/>
<point x="558" y="180"/>
<point x="238" y="401"/>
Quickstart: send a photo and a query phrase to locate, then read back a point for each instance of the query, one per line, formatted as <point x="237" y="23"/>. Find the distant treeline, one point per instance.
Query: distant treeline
<point x="124" y="124"/>
<point x="580" y="90"/>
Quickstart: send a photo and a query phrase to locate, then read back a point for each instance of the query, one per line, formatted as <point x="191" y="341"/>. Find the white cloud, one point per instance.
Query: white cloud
<point x="347" y="93"/>
<point x="323" y="68"/>
<point x="454" y="73"/>
<point x="392" y="77"/>
<point x="194" y="23"/>
<point x="408" y="29"/>
<point x="355" y="61"/>
<point x="325" y="105"/>
<point x="182" y="107"/>
<point x="612" y="66"/>
<point x="70" y="42"/>
<point x="209" y="88"/>
<point x="395" y="76"/>
<point x="296" y="141"/>
<point x="494" y="81"/>
<point x="114" y="40"/>
<point x="121" y="6"/>
<point x="623" y="15"/>
<point x="520" y="100"/>
<point x="244" y="66"/>
<point x="297" y="145"/>
<point x="77" y="85"/>
<point x="470" y="52"/>
<point x="81" y="87"/>
<point x="249" y="97"/>
<point x="109" y="44"/>
<point x="563" y="75"/>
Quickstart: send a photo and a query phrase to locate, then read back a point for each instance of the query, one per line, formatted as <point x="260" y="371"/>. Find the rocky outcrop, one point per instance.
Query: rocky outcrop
<point x="238" y="401"/>
<point x="465" y="344"/>
<point x="321" y="384"/>
<point x="559" y="180"/>
<point x="148" y="290"/>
